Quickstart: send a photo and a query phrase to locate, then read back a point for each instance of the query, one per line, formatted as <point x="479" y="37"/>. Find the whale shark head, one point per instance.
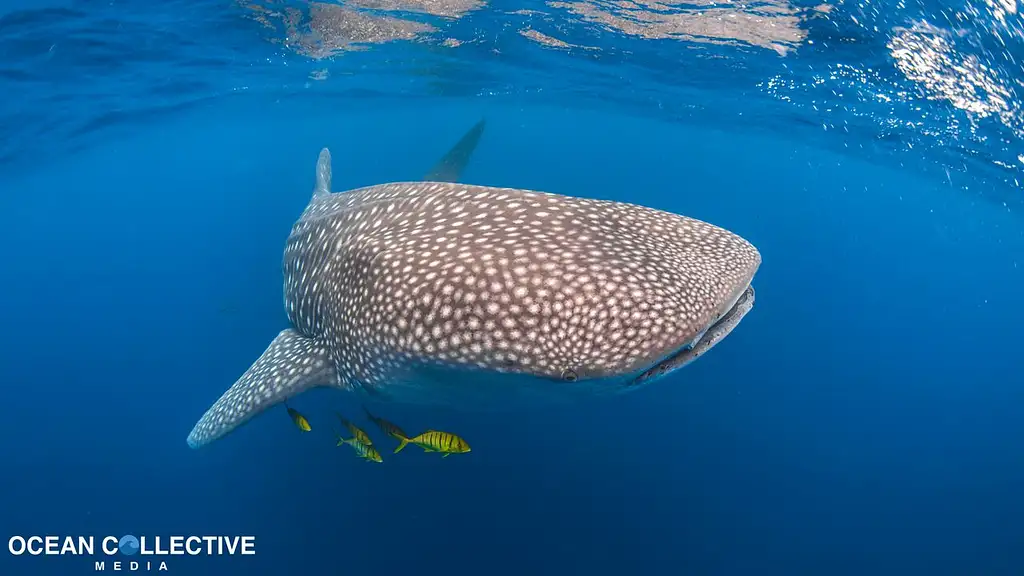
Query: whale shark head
<point x="412" y="276"/>
<point x="574" y="296"/>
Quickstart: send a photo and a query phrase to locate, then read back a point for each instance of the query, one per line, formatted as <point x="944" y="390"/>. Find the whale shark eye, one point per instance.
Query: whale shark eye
<point x="569" y="375"/>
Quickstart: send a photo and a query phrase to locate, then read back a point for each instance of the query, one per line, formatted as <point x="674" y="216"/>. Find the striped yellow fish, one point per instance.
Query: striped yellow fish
<point x="364" y="451"/>
<point x="299" y="419"/>
<point x="436" y="441"/>
<point x="387" y="427"/>
<point x="359" y="435"/>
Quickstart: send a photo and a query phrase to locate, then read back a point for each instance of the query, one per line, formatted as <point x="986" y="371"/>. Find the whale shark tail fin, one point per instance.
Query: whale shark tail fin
<point x="450" y="167"/>
<point x="323" y="173"/>
<point x="291" y="364"/>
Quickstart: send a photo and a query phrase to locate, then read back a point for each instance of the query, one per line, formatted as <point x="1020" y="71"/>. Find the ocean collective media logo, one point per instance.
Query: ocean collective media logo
<point x="146" y="553"/>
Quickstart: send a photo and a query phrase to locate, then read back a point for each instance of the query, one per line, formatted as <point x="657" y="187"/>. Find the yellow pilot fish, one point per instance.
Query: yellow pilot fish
<point x="387" y="427"/>
<point x="364" y="451"/>
<point x="359" y="435"/>
<point x="299" y="419"/>
<point x="435" y="441"/>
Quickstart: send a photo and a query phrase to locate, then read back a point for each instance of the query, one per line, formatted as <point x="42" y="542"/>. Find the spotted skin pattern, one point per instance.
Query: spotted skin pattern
<point x="504" y="279"/>
<point x="388" y="280"/>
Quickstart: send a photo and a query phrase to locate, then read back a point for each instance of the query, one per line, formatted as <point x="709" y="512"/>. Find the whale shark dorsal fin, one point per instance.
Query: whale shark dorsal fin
<point x="291" y="364"/>
<point x="323" y="174"/>
<point x="450" y="167"/>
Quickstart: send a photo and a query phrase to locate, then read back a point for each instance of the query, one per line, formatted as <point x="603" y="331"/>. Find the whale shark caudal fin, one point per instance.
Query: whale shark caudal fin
<point x="449" y="168"/>
<point x="291" y="364"/>
<point x="323" y="173"/>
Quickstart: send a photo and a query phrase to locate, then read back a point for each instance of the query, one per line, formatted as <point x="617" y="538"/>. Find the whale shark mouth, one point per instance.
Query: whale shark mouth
<point x="706" y="340"/>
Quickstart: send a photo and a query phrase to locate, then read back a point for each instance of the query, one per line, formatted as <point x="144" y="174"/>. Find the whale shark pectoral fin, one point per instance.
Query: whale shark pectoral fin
<point x="291" y="364"/>
<point x="323" y="173"/>
<point x="450" y="167"/>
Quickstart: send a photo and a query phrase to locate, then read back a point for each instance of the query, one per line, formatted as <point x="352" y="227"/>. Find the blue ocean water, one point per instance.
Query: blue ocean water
<point x="863" y="419"/>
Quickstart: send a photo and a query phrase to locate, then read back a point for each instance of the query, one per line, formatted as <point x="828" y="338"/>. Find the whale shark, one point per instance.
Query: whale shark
<point x="436" y="291"/>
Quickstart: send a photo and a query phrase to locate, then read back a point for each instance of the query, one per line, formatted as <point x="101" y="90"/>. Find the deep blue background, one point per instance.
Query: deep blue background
<point x="863" y="419"/>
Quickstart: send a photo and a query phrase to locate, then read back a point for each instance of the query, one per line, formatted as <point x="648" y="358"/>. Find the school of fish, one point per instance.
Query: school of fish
<point x="444" y="443"/>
